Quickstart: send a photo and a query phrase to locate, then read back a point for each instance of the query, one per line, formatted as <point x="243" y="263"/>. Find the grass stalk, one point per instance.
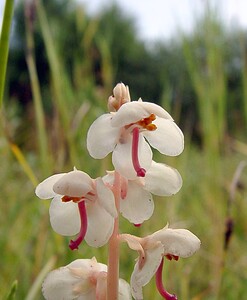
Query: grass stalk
<point x="4" y="43"/>
<point x="59" y="81"/>
<point x="24" y="164"/>
<point x="45" y="159"/>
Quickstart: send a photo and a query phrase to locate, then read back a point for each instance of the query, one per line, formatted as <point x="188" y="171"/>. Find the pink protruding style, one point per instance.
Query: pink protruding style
<point x="140" y="172"/>
<point x="74" y="244"/>
<point x="160" y="286"/>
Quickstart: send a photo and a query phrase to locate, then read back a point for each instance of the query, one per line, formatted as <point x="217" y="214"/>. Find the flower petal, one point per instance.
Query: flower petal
<point x="64" y="217"/>
<point x="141" y="276"/>
<point x="167" y="138"/>
<point x="101" y="285"/>
<point x="124" y="290"/>
<point x="72" y="281"/>
<point x="102" y="137"/>
<point x="162" y="180"/>
<point x="75" y="184"/>
<point x="178" y="242"/>
<point x="61" y="284"/>
<point x="133" y="242"/>
<point x="44" y="190"/>
<point x="122" y="157"/>
<point x="134" y="111"/>
<point x="138" y="205"/>
<point x="105" y="197"/>
<point x="100" y="225"/>
<point x="88" y="265"/>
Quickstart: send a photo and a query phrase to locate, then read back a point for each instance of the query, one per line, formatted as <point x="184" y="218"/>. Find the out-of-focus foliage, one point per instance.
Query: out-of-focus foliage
<point x="105" y="49"/>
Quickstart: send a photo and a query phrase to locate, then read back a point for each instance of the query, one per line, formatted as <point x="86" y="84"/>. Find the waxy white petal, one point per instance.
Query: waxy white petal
<point x="102" y="137"/>
<point x="133" y="242"/>
<point x="141" y="276"/>
<point x="45" y="189"/>
<point x="75" y="184"/>
<point x="167" y="138"/>
<point x="124" y="290"/>
<point x="155" y="109"/>
<point x="134" y="111"/>
<point x="72" y="281"/>
<point x="59" y="284"/>
<point x="138" y="205"/>
<point x="64" y="217"/>
<point x="162" y="180"/>
<point x="83" y="279"/>
<point x="122" y="157"/>
<point x="178" y="242"/>
<point x="100" y="225"/>
<point x="105" y="197"/>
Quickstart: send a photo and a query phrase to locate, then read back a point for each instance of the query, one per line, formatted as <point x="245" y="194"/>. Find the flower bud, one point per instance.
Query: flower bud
<point x="120" y="96"/>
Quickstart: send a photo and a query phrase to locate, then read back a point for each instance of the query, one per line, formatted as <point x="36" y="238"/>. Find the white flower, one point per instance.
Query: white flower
<point x="171" y="243"/>
<point x="136" y="203"/>
<point x="83" y="279"/>
<point x="79" y="205"/>
<point x="125" y="133"/>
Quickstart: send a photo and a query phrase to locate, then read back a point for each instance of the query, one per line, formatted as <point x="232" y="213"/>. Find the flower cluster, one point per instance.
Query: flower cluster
<point x="90" y="208"/>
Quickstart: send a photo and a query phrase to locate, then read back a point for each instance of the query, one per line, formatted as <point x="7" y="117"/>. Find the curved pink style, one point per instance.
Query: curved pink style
<point x="74" y="244"/>
<point x="160" y="286"/>
<point x="140" y="172"/>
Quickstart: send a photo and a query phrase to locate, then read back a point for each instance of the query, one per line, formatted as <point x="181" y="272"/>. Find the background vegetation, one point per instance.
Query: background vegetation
<point x="62" y="67"/>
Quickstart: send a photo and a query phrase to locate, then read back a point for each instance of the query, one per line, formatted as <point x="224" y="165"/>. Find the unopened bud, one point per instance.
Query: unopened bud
<point x="120" y="96"/>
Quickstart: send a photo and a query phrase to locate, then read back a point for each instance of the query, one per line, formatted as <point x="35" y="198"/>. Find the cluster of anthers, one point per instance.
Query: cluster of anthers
<point x="89" y="208"/>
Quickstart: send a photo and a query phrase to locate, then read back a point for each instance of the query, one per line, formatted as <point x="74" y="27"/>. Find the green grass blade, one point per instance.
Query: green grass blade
<point x="4" y="43"/>
<point x="12" y="292"/>
<point x="45" y="159"/>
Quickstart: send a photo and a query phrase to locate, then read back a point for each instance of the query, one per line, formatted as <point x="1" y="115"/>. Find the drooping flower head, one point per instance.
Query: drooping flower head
<point x="167" y="242"/>
<point x="81" y="205"/>
<point x="126" y="132"/>
<point x="83" y="279"/>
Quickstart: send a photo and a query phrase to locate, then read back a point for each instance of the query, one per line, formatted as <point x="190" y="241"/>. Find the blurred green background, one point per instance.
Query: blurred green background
<point x="63" y="64"/>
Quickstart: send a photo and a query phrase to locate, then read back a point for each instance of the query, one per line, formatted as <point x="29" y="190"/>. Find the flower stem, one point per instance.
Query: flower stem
<point x="140" y="172"/>
<point x="160" y="286"/>
<point x="83" y="215"/>
<point x="113" y="258"/>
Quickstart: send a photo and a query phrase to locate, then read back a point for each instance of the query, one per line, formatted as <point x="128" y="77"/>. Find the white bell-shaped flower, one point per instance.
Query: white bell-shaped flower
<point x="79" y="205"/>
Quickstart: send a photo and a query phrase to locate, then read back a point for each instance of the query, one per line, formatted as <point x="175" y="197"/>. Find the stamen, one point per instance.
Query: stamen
<point x="69" y="198"/>
<point x="160" y="286"/>
<point x="171" y="256"/>
<point x="83" y="216"/>
<point x="140" y="172"/>
<point x="147" y="123"/>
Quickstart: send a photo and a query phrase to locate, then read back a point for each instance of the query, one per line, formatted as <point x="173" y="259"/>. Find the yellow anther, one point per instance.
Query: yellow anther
<point x="146" y="123"/>
<point x="151" y="127"/>
<point x="68" y="198"/>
